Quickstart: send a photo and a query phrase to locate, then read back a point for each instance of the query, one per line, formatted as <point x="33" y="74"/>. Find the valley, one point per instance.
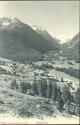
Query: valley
<point x="39" y="76"/>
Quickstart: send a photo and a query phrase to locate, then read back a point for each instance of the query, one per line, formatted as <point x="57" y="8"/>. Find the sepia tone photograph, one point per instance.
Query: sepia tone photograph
<point x="39" y="62"/>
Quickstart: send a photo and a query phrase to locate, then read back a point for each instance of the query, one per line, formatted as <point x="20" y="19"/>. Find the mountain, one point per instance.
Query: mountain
<point x="17" y="38"/>
<point x="43" y="32"/>
<point x="71" y="48"/>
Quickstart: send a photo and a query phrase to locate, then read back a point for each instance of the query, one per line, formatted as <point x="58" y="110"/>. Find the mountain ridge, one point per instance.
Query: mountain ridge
<point x="17" y="37"/>
<point x="71" y="49"/>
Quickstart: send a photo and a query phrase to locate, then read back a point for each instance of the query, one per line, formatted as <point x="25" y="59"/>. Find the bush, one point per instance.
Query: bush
<point x="23" y="111"/>
<point x="30" y="92"/>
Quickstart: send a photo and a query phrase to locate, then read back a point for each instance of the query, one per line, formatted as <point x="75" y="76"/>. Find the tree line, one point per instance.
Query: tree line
<point x="43" y="88"/>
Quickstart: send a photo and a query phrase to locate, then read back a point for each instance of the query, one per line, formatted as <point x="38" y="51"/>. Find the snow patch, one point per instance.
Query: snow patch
<point x="13" y="19"/>
<point x="6" y="23"/>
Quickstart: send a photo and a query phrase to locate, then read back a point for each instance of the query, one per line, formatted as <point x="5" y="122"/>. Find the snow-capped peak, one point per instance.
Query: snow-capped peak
<point x="6" y="21"/>
<point x="35" y="27"/>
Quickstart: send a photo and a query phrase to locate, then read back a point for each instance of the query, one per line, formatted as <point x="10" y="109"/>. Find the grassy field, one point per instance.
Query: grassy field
<point x="17" y="104"/>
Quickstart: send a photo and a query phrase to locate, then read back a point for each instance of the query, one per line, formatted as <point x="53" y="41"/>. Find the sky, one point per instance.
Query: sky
<point x="59" y="18"/>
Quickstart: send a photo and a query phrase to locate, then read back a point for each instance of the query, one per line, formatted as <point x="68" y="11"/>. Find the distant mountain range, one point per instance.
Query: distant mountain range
<point x="19" y="41"/>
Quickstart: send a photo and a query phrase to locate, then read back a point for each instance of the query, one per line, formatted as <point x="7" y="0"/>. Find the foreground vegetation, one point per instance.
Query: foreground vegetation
<point x="27" y="90"/>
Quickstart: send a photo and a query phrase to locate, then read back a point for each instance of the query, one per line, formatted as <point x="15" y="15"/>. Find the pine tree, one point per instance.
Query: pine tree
<point x="14" y="84"/>
<point x="23" y="87"/>
<point x="40" y="87"/>
<point x="34" y="85"/>
<point x="44" y="88"/>
<point x="60" y="99"/>
<point x="66" y="94"/>
<point x="58" y="94"/>
<point x="28" y="85"/>
<point x="61" y="103"/>
<point x="61" y="79"/>
<point x="49" y="89"/>
<point x="34" y="88"/>
<point x="54" y="91"/>
<point x="77" y="96"/>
